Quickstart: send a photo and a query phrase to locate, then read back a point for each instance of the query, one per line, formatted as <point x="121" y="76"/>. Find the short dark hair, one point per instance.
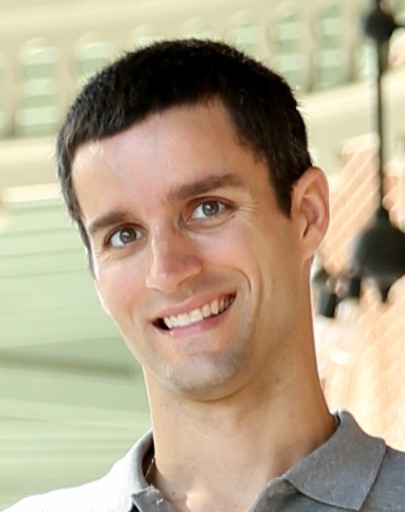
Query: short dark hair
<point x="166" y="74"/>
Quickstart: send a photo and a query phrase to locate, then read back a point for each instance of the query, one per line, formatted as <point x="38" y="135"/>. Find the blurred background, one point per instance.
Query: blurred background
<point x="71" y="397"/>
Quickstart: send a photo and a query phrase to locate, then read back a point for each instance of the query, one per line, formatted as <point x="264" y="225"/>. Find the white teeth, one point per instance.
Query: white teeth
<point x="214" y="307"/>
<point x="206" y="311"/>
<point x="221" y="305"/>
<point x="183" y="319"/>
<point x="168" y="322"/>
<point x="198" y="314"/>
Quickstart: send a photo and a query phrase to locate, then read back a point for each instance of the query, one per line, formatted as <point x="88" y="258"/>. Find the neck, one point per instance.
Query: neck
<point x="221" y="454"/>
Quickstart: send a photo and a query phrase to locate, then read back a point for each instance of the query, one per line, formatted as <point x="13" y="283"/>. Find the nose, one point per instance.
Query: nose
<point x="173" y="260"/>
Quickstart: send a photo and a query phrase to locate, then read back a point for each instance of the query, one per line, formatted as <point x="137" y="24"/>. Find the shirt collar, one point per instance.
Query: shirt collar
<point x="113" y="492"/>
<point x="142" y="493"/>
<point x="342" y="471"/>
<point x="125" y="479"/>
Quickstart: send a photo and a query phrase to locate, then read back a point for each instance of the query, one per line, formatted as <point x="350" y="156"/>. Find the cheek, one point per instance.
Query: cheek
<point x="120" y="288"/>
<point x="231" y="246"/>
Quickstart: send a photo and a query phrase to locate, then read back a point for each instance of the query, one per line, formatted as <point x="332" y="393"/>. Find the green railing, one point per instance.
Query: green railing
<point x="47" y="53"/>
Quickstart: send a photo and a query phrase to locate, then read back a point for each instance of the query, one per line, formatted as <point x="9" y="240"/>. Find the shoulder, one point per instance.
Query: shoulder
<point x="394" y="465"/>
<point x="388" y="492"/>
<point x="75" y="498"/>
<point x="380" y="469"/>
<point x="111" y="493"/>
<point x="97" y="496"/>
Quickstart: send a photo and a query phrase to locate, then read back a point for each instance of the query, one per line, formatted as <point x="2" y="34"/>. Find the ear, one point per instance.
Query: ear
<point x="310" y="209"/>
<point x="101" y="298"/>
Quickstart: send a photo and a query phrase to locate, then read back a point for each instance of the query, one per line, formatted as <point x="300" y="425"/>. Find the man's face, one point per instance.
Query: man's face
<point x="193" y="259"/>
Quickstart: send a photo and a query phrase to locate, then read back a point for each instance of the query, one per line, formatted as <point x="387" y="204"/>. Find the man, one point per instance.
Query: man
<point x="185" y="166"/>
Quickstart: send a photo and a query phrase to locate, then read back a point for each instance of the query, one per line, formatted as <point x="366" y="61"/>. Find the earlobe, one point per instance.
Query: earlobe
<point x="310" y="205"/>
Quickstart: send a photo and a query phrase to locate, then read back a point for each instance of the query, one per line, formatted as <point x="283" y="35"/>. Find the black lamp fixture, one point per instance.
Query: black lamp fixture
<point x="379" y="250"/>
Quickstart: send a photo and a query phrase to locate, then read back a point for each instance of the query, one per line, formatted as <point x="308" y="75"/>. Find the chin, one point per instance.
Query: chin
<point x="205" y="380"/>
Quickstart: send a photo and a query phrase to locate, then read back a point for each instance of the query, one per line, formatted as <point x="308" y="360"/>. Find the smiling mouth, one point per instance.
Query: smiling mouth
<point x="211" y="309"/>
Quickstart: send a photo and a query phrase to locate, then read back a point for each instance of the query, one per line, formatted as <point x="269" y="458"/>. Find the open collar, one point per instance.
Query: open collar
<point x="342" y="471"/>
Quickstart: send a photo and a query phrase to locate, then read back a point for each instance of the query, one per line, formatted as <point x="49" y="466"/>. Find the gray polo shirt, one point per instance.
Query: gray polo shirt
<point x="350" y="471"/>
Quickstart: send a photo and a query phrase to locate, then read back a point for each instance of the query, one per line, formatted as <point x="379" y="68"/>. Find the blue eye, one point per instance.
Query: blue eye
<point x="208" y="209"/>
<point x="124" y="236"/>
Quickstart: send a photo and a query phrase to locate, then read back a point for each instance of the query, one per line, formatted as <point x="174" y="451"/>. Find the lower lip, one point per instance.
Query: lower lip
<point x="198" y="327"/>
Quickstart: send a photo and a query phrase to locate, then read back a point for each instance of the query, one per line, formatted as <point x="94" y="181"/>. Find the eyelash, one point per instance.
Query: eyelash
<point x="135" y="233"/>
<point x="220" y="205"/>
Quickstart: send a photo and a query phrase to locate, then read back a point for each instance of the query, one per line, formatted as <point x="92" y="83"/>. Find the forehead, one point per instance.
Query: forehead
<point x="195" y="132"/>
<point x="163" y="152"/>
<point x="210" y="116"/>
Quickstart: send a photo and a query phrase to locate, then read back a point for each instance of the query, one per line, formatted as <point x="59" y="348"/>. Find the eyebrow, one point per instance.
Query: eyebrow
<point x="180" y="193"/>
<point x="107" y="220"/>
<point x="204" y="186"/>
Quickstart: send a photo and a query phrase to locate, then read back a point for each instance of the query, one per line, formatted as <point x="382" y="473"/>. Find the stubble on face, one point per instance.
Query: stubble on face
<point x="242" y="254"/>
<point x="205" y="376"/>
